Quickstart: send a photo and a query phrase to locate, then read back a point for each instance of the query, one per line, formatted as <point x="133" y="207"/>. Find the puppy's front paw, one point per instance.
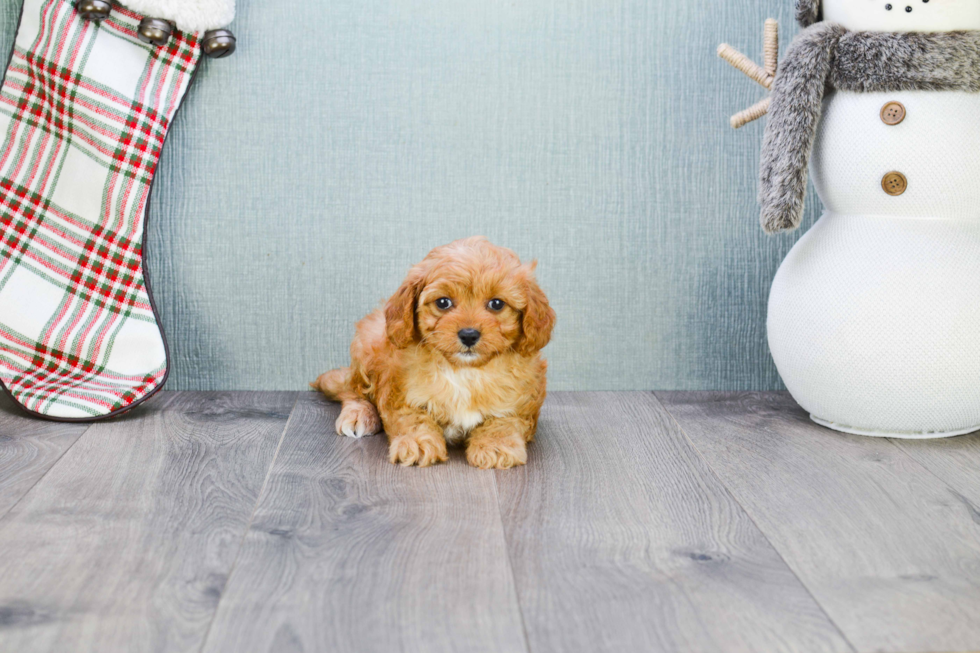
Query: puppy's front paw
<point x="497" y="453"/>
<point x="422" y="449"/>
<point x="357" y="419"/>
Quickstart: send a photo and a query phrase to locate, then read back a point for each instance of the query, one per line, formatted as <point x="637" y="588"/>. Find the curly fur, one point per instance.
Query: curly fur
<point x="411" y="373"/>
<point x="188" y="15"/>
<point x="828" y="56"/>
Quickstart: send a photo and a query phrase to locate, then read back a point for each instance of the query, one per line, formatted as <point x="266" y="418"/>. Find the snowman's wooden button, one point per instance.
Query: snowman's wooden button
<point x="894" y="183"/>
<point x="893" y="113"/>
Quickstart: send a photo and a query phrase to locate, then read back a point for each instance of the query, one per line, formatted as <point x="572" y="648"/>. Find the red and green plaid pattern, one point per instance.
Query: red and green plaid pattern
<point x="84" y="111"/>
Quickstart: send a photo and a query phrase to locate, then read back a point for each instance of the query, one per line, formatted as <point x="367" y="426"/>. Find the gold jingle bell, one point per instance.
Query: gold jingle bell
<point x="155" y="31"/>
<point x="218" y="43"/>
<point x="93" y="9"/>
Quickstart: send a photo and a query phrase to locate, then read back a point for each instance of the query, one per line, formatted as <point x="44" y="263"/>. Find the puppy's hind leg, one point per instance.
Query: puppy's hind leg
<point x="358" y="417"/>
<point x="335" y="384"/>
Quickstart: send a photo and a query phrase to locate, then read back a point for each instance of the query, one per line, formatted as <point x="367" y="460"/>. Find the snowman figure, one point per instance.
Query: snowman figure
<point x="874" y="316"/>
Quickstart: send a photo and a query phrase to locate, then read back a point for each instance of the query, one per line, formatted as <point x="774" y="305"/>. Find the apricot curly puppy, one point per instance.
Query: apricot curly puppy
<point x="453" y="356"/>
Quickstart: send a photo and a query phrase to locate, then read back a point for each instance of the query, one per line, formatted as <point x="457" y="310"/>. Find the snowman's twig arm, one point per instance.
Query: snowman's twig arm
<point x="745" y="65"/>
<point x="754" y="112"/>
<point x="770" y="46"/>
<point x="794" y="113"/>
<point x="763" y="76"/>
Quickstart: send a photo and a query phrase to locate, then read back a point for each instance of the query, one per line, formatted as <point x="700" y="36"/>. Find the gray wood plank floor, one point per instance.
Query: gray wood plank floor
<point x="669" y="522"/>
<point x="617" y="521"/>
<point x="889" y="550"/>
<point x="348" y="552"/>
<point x="28" y="449"/>
<point x="126" y="543"/>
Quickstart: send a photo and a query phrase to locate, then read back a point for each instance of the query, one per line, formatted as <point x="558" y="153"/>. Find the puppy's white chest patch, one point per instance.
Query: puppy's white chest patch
<point x="463" y="423"/>
<point x="450" y="401"/>
<point x="461" y="417"/>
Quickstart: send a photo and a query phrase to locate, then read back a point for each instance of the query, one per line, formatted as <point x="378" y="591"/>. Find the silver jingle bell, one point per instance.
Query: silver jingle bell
<point x="93" y="9"/>
<point x="218" y="43"/>
<point x="155" y="31"/>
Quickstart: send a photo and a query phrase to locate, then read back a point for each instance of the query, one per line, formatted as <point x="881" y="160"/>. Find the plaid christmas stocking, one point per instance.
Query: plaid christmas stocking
<point x="84" y="111"/>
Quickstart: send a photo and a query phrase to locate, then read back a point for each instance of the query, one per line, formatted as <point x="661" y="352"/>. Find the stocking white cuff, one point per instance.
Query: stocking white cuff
<point x="189" y="15"/>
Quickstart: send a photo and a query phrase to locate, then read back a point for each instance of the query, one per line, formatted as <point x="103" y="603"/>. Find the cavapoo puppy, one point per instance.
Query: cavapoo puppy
<point x="452" y="357"/>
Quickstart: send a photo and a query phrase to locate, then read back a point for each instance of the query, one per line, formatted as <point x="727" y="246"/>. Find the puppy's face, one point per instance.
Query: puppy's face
<point x="470" y="301"/>
<point x="470" y="316"/>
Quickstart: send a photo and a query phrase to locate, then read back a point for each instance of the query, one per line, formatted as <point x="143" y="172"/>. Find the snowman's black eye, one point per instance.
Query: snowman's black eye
<point x="444" y="303"/>
<point x="908" y="10"/>
<point x="888" y="7"/>
<point x="495" y="305"/>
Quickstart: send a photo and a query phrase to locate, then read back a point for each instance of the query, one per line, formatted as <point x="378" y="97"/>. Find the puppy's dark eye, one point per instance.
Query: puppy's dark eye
<point x="444" y="303"/>
<point x="496" y="304"/>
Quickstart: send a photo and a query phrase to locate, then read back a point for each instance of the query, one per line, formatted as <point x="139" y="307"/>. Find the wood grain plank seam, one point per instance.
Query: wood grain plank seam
<point x="510" y="565"/>
<point x="44" y="475"/>
<point x="956" y="493"/>
<point x="748" y="514"/>
<point x="251" y="518"/>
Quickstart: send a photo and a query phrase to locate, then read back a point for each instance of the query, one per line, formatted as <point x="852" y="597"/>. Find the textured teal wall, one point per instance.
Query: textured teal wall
<point x="305" y="174"/>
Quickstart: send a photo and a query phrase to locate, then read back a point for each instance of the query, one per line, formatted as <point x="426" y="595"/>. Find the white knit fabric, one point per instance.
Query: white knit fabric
<point x="937" y="16"/>
<point x="874" y="324"/>
<point x="937" y="147"/>
<point x="874" y="316"/>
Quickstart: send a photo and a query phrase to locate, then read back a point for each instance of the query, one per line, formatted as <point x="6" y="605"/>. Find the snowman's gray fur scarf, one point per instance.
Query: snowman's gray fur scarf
<point x="826" y="56"/>
<point x="188" y="15"/>
<point x="807" y="12"/>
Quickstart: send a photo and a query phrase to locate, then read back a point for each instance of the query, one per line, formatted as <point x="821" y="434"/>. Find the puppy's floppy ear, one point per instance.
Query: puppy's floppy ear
<point x="538" y="319"/>
<point x="400" y="310"/>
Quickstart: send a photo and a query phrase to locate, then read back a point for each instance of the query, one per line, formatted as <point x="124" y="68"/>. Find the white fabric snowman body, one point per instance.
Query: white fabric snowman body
<point x="874" y="316"/>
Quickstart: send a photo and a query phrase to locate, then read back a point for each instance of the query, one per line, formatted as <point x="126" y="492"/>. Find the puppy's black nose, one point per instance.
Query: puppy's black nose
<point x="468" y="337"/>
